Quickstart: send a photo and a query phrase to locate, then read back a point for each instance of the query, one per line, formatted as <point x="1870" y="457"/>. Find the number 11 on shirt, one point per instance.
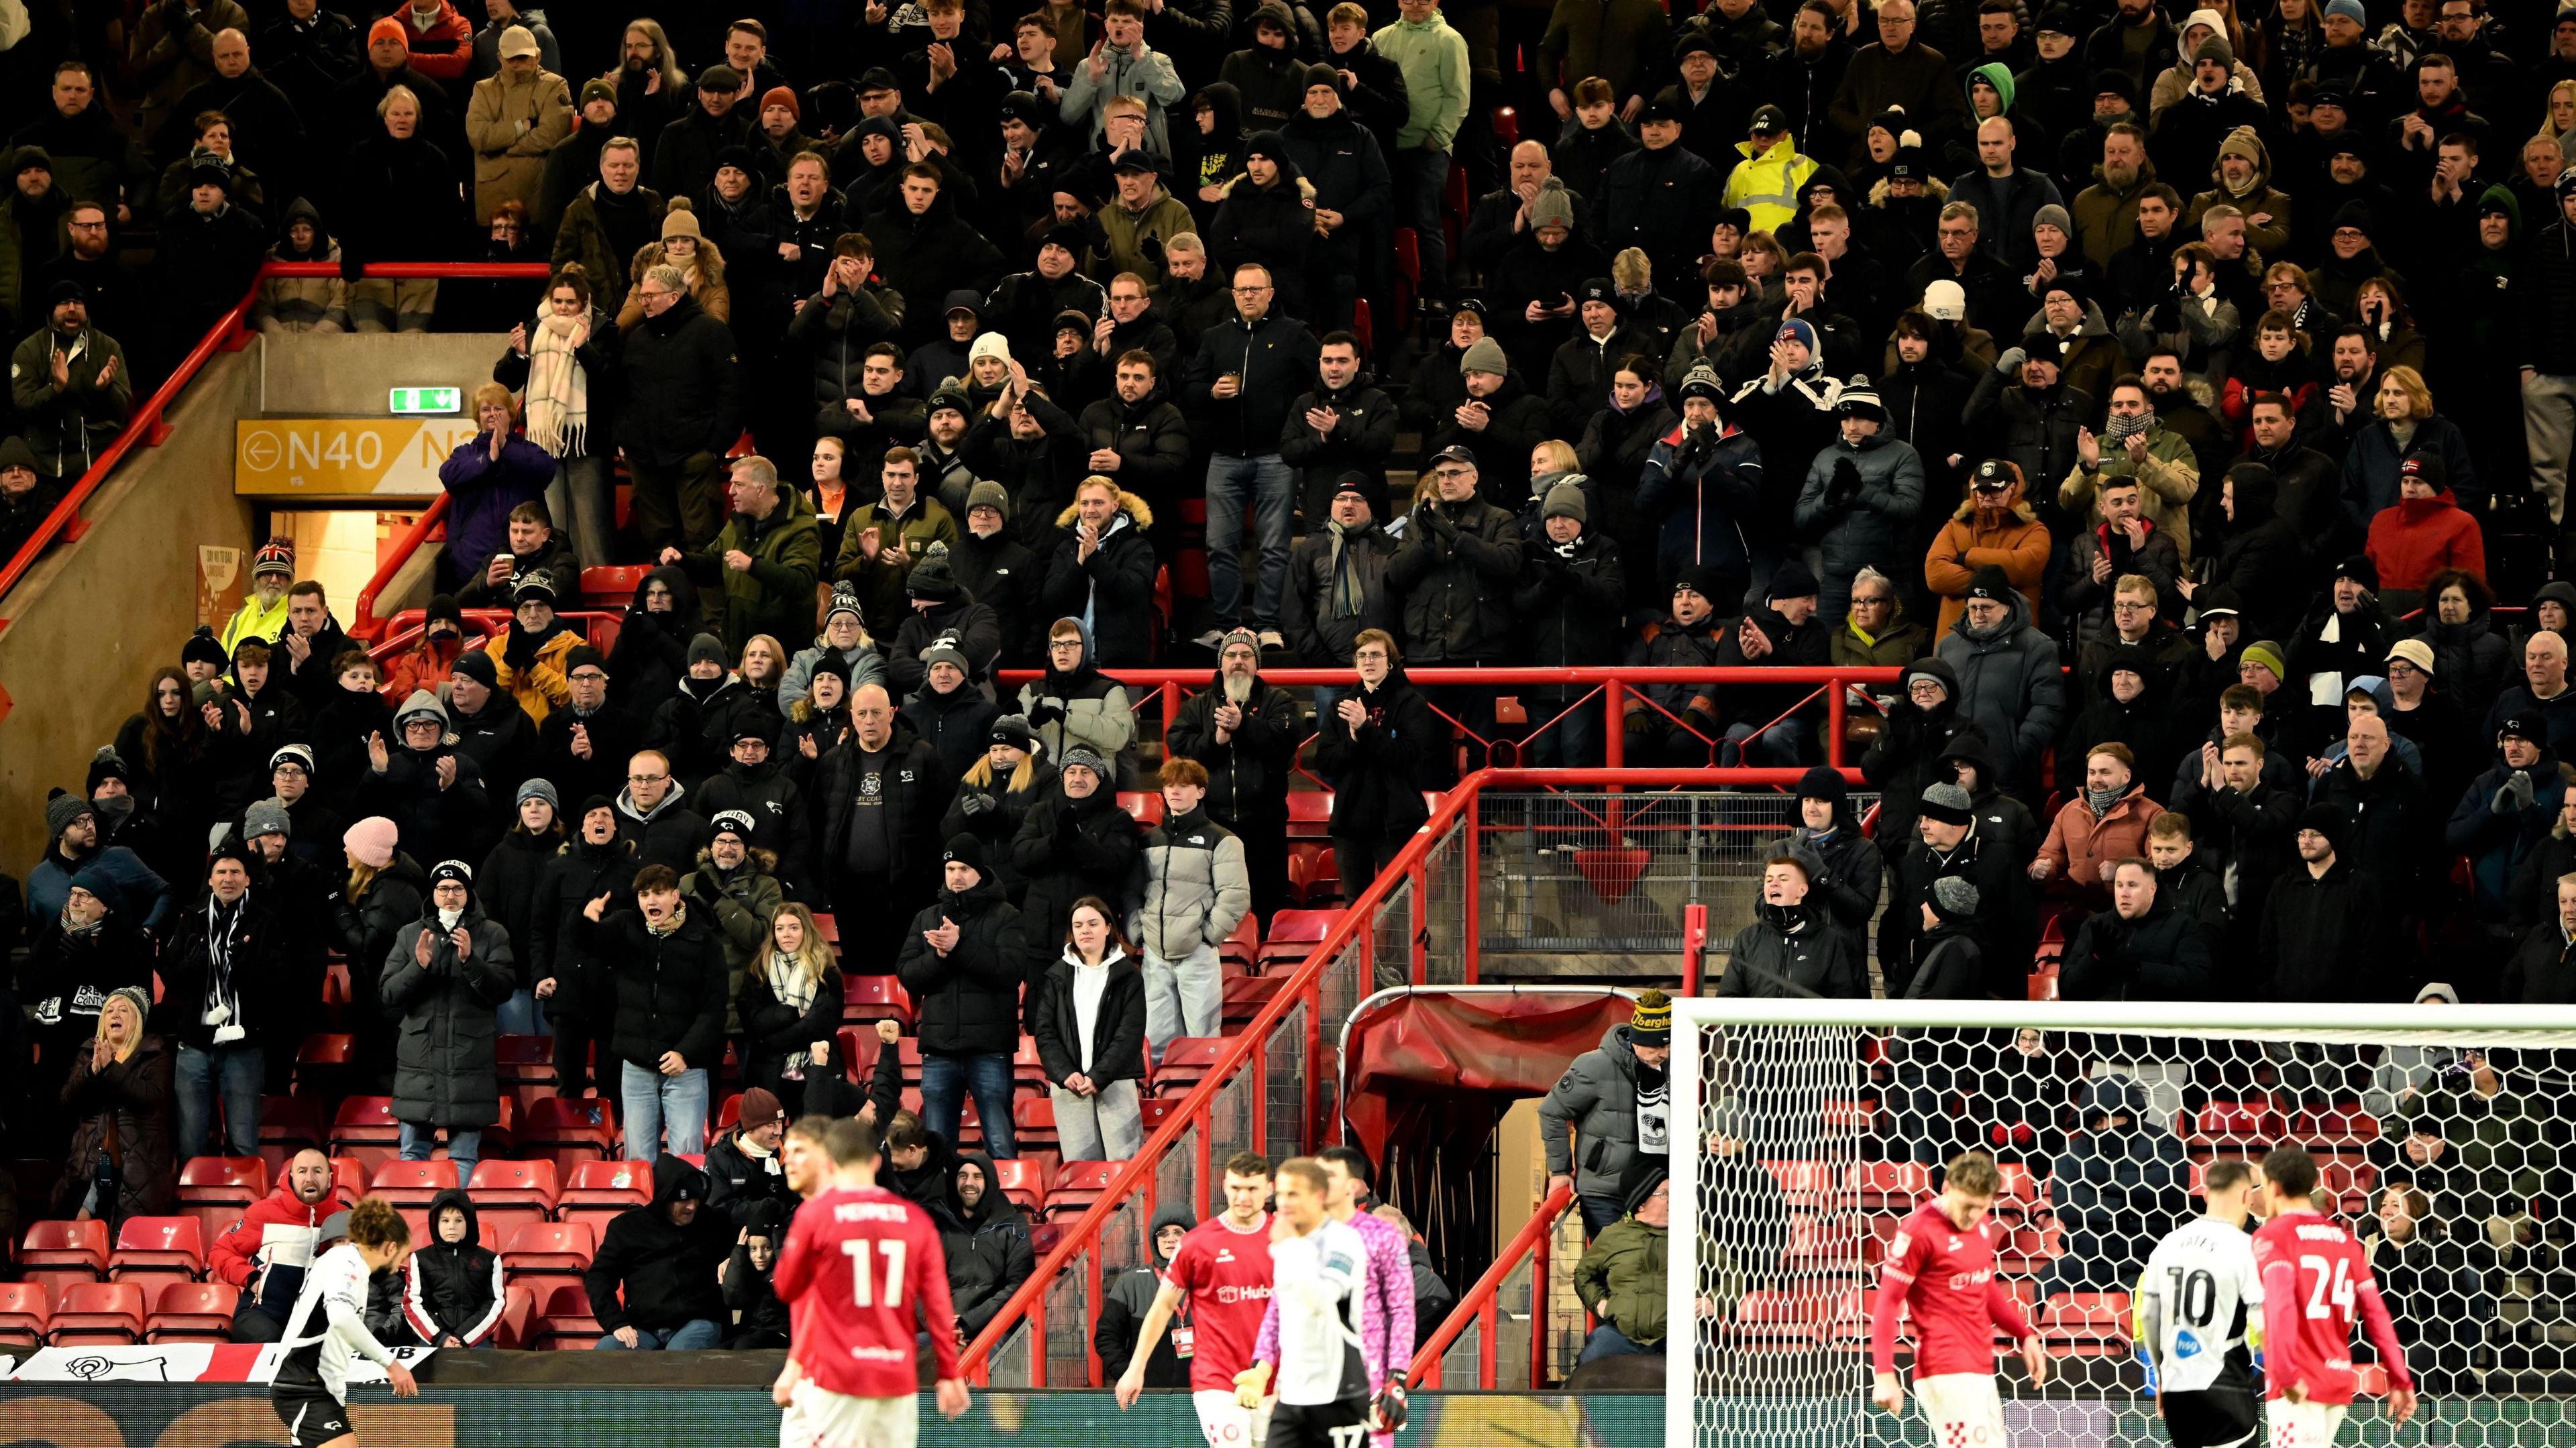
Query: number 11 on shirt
<point x="862" y="1293"/>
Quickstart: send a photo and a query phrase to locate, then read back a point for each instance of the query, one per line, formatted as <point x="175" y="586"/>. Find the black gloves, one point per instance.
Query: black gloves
<point x="1845" y="484"/>
<point x="1045" y="712"/>
<point x="1150" y="247"/>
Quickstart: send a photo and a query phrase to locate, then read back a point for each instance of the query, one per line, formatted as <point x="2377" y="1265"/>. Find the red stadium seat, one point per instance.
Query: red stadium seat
<point x="869" y="998"/>
<point x="348" y="1178"/>
<point x="1145" y="805"/>
<point x="1245" y="995"/>
<point x="1154" y="1109"/>
<point x="1028" y="1073"/>
<point x="515" y="1183"/>
<point x="25" y="1309"/>
<point x="1185" y="1061"/>
<point x="612" y="586"/>
<point x="728" y="1115"/>
<point x="1294" y="934"/>
<point x="605" y="1188"/>
<point x="65" y="1244"/>
<point x="97" y="1313"/>
<point x="364" y="1128"/>
<point x="518" y="1318"/>
<point x="223" y="1181"/>
<point x="564" y="1246"/>
<point x="1077" y="1185"/>
<point x="570" y="1131"/>
<point x="411" y="1184"/>
<point x="1033" y="1122"/>
<point x="1244" y="945"/>
<point x="1024" y="1182"/>
<point x="193" y="1312"/>
<point x="567" y="1324"/>
<point x="158" y="1246"/>
<point x="1897" y="1186"/>
<point x="1310" y="816"/>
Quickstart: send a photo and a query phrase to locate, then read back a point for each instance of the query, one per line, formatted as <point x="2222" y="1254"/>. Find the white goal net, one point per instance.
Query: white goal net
<point x="2445" y="1137"/>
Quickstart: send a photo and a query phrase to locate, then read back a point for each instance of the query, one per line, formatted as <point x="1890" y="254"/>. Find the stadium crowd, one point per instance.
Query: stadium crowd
<point x="2082" y="363"/>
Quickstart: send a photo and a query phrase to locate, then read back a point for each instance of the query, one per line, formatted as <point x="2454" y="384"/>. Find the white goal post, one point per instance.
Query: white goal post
<point x="1802" y="1130"/>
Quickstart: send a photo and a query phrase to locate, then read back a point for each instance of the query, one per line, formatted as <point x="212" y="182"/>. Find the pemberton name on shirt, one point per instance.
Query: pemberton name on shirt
<point x="869" y="1211"/>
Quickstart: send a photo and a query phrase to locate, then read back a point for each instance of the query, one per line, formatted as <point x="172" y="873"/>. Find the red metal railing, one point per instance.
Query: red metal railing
<point x="1341" y="969"/>
<point x="1480" y="1308"/>
<point x="147" y="426"/>
<point x="363" y="623"/>
<point x="1612" y="685"/>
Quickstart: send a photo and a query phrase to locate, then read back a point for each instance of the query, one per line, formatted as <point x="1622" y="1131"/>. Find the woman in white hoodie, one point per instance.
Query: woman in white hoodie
<point x="1091" y="1037"/>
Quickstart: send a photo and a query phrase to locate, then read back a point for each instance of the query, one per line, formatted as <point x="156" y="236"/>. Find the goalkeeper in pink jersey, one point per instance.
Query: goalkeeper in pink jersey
<point x="1941" y="1268"/>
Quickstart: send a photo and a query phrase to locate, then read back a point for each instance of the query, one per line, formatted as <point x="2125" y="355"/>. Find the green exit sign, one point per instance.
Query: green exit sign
<point x="425" y="401"/>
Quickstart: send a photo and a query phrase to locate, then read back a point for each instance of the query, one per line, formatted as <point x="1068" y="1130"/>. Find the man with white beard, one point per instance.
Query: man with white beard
<point x="1246" y="733"/>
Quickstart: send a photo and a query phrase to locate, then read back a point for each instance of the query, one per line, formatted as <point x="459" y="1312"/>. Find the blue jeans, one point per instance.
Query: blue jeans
<point x="654" y="1100"/>
<point x="237" y="1072"/>
<point x="1573" y="742"/>
<point x="464" y="1147"/>
<point x="1420" y="179"/>
<point x="695" y="1335"/>
<point x="945" y="1081"/>
<point x="1268" y="486"/>
<point x="1598" y="1212"/>
<point x="1608" y="1341"/>
<point x="522" y="1015"/>
<point x="1776" y="747"/>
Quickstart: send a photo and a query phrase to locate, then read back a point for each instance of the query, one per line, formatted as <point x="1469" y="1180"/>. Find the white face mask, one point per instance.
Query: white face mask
<point x="447" y="918"/>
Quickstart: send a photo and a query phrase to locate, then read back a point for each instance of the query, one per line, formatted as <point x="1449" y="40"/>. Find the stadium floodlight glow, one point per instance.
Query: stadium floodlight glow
<point x="1806" y="1130"/>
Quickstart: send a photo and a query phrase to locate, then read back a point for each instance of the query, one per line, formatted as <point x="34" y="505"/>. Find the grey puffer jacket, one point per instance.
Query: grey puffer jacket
<point x="446" y="1056"/>
<point x="865" y="664"/>
<point x="1190" y="886"/>
<point x="1869" y="521"/>
<point x="2009" y="687"/>
<point x="1597" y="1097"/>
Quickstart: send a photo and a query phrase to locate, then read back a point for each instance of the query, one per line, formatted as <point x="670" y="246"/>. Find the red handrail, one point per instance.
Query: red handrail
<point x="363" y="623"/>
<point x="1478" y="1305"/>
<point x="1304" y="987"/>
<point x="145" y="425"/>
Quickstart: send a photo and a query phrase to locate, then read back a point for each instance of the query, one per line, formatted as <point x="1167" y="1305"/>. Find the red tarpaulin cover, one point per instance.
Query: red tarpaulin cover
<point x="1434" y="1064"/>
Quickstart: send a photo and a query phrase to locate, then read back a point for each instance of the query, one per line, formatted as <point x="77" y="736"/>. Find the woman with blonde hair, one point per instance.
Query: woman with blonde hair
<point x="2404" y="427"/>
<point x="996" y="792"/>
<point x="485" y="479"/>
<point x="683" y="246"/>
<point x="790" y="1007"/>
<point x="763" y="668"/>
<point x="2559" y="124"/>
<point x="119" y="1093"/>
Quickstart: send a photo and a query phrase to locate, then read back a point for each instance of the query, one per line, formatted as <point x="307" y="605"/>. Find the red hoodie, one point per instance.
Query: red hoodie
<point x="265" y="1254"/>
<point x="2420" y="537"/>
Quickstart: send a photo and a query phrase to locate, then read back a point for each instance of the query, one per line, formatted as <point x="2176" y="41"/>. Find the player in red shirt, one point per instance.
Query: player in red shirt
<point x="1941" y="1265"/>
<point x="1223" y="1268"/>
<point x="858" y="1262"/>
<point x="2315" y="1277"/>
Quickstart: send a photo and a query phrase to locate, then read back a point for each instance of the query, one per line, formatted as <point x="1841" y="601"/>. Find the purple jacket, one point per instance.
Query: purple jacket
<point x="481" y="493"/>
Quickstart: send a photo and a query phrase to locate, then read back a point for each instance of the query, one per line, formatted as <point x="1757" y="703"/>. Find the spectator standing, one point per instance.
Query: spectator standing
<point x="765" y="559"/>
<point x="2009" y="682"/>
<point x="2107" y="823"/>
<point x="669" y="1017"/>
<point x="1849" y="868"/>
<point x="1091" y="1038"/>
<point x="1703" y="480"/>
<point x="117" y="1094"/>
<point x="1614" y="1101"/>
<point x="1101" y="573"/>
<point x="964" y="960"/>
<point x="1246" y="733"/>
<point x="1434" y="59"/>
<point x="487" y="480"/>
<point x="2144" y="948"/>
<point x="653" y="1284"/>
<point x="1569" y="601"/>
<point x="1073" y="702"/>
<point x="1860" y="497"/>
<point x="2320" y="937"/>
<point x="512" y="119"/>
<point x="683" y="410"/>
<point x="226" y="980"/>
<point x="2122" y="1183"/>
<point x="790" y="1007"/>
<point x="877" y="798"/>
<point x="1381" y="748"/>
<point x="1190" y="891"/>
<point x="1240" y="383"/>
<point x="1074" y="841"/>
<point x="71" y="386"/>
<point x="445" y="975"/>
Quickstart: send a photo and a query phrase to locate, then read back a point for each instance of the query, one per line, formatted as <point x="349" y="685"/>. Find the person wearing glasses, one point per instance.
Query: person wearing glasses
<point x="2124" y="542"/>
<point x="652" y="817"/>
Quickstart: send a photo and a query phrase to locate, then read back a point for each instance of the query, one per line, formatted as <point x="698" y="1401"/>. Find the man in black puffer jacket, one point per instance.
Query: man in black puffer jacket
<point x="1074" y="842"/>
<point x="964" y="960"/>
<point x="879" y="796"/>
<point x="1456" y="567"/>
<point x="653" y="1283"/>
<point x="1101" y="571"/>
<point x="1246" y="733"/>
<point x="1572" y="588"/>
<point x="1907" y="754"/>
<point x="577" y="985"/>
<point x="669" y="1027"/>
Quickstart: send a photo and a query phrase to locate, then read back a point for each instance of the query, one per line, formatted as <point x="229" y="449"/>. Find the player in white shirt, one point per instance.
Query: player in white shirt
<point x="1316" y="1268"/>
<point x="2200" y="1319"/>
<point x="329" y="1326"/>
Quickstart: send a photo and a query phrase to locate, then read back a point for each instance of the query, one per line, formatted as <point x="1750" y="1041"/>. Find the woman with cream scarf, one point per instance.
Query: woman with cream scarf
<point x="790" y="1005"/>
<point x="567" y="363"/>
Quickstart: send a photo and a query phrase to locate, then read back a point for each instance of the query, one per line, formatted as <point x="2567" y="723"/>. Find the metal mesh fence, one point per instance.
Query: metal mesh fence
<point x="1608" y="873"/>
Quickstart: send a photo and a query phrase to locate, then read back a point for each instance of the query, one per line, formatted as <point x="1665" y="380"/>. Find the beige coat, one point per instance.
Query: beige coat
<point x="511" y="124"/>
